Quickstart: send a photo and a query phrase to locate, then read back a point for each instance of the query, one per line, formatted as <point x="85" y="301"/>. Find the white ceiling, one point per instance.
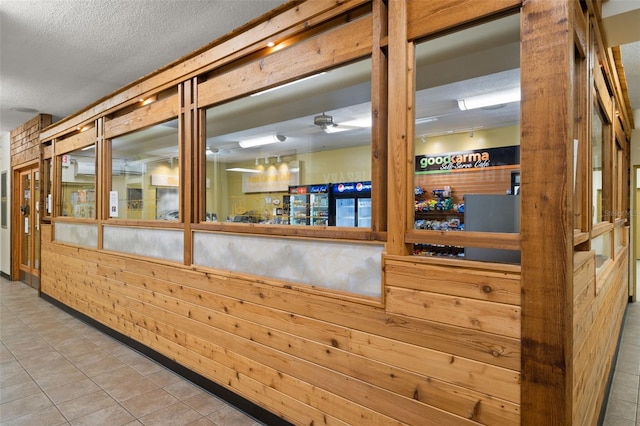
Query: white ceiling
<point x="58" y="56"/>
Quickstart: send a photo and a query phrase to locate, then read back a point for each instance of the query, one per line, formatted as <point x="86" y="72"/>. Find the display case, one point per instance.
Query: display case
<point x="436" y="210"/>
<point x="350" y="204"/>
<point x="309" y="205"/>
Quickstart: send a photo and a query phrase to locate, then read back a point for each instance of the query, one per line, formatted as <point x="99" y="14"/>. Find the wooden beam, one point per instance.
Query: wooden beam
<point x="546" y="139"/>
<point x="399" y="160"/>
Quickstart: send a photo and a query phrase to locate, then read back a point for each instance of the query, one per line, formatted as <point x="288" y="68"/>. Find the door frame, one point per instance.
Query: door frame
<point x="17" y="227"/>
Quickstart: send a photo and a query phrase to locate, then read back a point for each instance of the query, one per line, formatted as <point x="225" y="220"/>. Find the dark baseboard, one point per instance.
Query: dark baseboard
<point x="607" y="389"/>
<point x="237" y="401"/>
<point x="5" y="275"/>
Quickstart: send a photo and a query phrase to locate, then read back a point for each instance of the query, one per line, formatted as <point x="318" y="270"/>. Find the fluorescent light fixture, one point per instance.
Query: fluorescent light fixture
<point x="243" y="170"/>
<point x="87" y="148"/>
<point x="266" y="140"/>
<point x="336" y="129"/>
<point x="489" y="99"/>
<point x="358" y="122"/>
<point x="423" y="120"/>
<point x="288" y="84"/>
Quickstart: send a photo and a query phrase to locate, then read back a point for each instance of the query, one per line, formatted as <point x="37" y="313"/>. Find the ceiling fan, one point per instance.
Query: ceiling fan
<point x="325" y="122"/>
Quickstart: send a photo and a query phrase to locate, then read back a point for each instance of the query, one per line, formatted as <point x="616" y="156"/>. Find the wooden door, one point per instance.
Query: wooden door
<point x="28" y="232"/>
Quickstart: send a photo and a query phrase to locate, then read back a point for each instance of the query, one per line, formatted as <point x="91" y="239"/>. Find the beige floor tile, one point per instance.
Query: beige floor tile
<point x="178" y="414"/>
<point x="28" y="348"/>
<point x="610" y="420"/>
<point x="229" y="416"/>
<point x="47" y="363"/>
<point x="14" y="378"/>
<point x="46" y="326"/>
<point x="182" y="389"/>
<point x="164" y="377"/>
<point x="83" y="358"/>
<point x="625" y="393"/>
<point x="116" y="377"/>
<point x="85" y="405"/>
<point x="53" y="380"/>
<point x="131" y="389"/>
<point x="623" y="409"/>
<point x="103" y="363"/>
<point x="24" y="406"/>
<point x="205" y="403"/>
<point x="145" y="366"/>
<point x="10" y="367"/>
<point x="149" y="402"/>
<point x="49" y="416"/>
<point x="42" y="358"/>
<point x="202" y="422"/>
<point x="23" y="343"/>
<point x="114" y="415"/>
<point x="62" y="338"/>
<point x="6" y="355"/>
<point x="81" y="346"/>
<point x="11" y="393"/>
<point x="64" y="393"/>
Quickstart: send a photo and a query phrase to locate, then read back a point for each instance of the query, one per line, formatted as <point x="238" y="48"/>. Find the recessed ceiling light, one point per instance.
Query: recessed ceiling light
<point x="23" y="109"/>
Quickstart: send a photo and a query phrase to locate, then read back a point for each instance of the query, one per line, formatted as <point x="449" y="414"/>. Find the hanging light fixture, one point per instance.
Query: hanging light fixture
<point x="489" y="99"/>
<point x="266" y="140"/>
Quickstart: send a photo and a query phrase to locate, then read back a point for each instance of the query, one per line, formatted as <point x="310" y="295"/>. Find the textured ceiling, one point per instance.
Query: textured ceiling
<point x="58" y="56"/>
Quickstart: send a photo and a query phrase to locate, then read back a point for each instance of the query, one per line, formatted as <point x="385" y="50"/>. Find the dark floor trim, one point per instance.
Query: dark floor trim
<point x="5" y="275"/>
<point x="232" y="398"/>
<point x="612" y="370"/>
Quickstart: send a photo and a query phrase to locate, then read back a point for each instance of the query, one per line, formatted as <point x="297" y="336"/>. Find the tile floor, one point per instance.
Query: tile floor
<point x="624" y="399"/>
<point x="57" y="370"/>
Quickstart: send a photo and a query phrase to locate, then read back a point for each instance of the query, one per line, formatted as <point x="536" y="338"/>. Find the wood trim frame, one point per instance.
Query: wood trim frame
<point x="547" y="293"/>
<point x="421" y="24"/>
<point x="148" y="115"/>
<point x="82" y="138"/>
<point x="350" y="40"/>
<point x="399" y="153"/>
<point x="581" y="92"/>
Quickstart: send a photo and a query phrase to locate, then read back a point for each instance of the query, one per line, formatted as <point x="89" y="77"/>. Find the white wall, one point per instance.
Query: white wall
<point x="5" y="234"/>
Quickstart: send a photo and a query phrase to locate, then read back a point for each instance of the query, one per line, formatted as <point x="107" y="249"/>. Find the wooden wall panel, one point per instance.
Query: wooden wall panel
<point x="435" y="16"/>
<point x="495" y="180"/>
<point x="347" y="42"/>
<point x="271" y="344"/>
<point x="25" y="140"/>
<point x="597" y="322"/>
<point x="153" y="113"/>
<point x="77" y="141"/>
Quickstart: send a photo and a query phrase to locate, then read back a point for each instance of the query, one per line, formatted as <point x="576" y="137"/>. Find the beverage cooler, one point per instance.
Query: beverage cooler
<point x="350" y="204"/>
<point x="309" y="205"/>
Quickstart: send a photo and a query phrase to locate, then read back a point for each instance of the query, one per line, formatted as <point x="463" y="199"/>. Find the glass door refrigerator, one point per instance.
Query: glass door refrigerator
<point x="309" y="205"/>
<point x="350" y="204"/>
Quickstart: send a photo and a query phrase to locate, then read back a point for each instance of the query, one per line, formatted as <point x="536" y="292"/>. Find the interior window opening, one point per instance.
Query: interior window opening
<point x="145" y="172"/>
<point x="467" y="137"/>
<point x="296" y="154"/>
<point x="78" y="183"/>
<point x="597" y="141"/>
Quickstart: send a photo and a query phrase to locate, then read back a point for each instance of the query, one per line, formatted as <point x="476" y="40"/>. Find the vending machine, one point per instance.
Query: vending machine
<point x="309" y="205"/>
<point x="350" y="204"/>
